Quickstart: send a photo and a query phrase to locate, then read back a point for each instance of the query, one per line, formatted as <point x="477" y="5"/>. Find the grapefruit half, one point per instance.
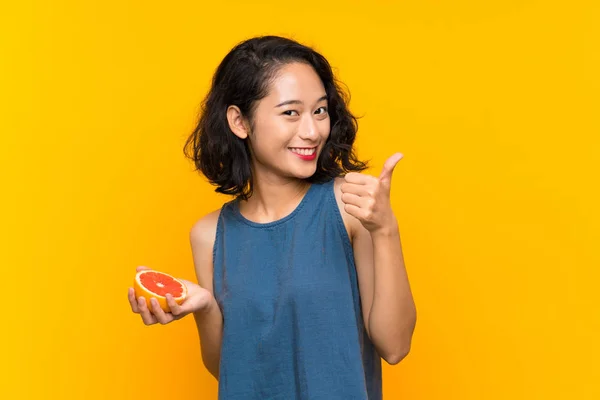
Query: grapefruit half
<point x="150" y="283"/>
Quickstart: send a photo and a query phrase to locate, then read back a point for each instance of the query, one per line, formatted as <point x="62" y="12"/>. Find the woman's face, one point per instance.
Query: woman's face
<point x="291" y="125"/>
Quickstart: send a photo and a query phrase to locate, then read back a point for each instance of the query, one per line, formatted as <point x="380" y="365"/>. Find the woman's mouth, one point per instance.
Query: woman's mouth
<point x="305" y="153"/>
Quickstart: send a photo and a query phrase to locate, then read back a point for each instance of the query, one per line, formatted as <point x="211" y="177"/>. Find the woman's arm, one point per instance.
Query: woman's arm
<point x="389" y="310"/>
<point x="387" y="304"/>
<point x="209" y="321"/>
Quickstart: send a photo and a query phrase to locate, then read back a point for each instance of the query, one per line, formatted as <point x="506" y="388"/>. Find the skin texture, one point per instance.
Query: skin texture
<point x="364" y="201"/>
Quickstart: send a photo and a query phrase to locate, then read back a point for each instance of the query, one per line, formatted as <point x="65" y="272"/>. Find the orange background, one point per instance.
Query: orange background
<point x="495" y="105"/>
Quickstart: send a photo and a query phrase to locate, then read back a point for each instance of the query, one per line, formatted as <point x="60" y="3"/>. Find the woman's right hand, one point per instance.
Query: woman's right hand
<point x="197" y="299"/>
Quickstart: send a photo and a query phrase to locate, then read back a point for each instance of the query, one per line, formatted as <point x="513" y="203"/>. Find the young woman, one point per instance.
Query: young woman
<point x="301" y="287"/>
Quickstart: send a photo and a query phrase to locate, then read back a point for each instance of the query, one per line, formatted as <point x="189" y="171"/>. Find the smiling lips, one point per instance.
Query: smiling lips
<point x="305" y="153"/>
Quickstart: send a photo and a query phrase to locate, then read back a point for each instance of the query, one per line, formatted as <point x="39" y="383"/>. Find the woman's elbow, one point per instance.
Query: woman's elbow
<point x="394" y="355"/>
<point x="397" y="356"/>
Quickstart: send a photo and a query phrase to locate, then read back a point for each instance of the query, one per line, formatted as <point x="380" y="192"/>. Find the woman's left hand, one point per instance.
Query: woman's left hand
<point x="368" y="198"/>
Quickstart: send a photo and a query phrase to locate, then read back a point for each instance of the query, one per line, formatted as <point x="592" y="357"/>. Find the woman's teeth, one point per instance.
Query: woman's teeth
<point x="304" y="152"/>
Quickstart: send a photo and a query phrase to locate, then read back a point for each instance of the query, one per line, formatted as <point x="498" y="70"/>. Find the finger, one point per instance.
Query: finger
<point x="146" y="315"/>
<point x="354" y="200"/>
<point x="388" y="167"/>
<point x="141" y="268"/>
<point x="176" y="309"/>
<point x="159" y="314"/>
<point x="357" y="189"/>
<point x="133" y="301"/>
<point x="357" y="178"/>
<point x="353" y="210"/>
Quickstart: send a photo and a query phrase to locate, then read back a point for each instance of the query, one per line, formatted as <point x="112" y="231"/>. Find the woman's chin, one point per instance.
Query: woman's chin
<point x="305" y="172"/>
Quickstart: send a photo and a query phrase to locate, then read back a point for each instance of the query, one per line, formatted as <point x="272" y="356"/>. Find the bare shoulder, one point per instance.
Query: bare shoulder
<point x="202" y="240"/>
<point x="349" y="221"/>
<point x="204" y="230"/>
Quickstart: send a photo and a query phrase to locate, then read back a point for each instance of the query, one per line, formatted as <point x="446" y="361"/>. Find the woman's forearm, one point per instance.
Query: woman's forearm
<point x="392" y="317"/>
<point x="209" y="322"/>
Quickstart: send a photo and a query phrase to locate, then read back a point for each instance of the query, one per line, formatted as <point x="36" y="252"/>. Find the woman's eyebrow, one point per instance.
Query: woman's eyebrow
<point x="298" y="101"/>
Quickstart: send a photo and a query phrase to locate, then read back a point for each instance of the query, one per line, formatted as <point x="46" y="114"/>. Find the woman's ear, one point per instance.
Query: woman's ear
<point x="237" y="123"/>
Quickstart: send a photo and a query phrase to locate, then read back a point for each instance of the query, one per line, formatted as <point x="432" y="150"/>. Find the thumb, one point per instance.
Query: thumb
<point x="388" y="167"/>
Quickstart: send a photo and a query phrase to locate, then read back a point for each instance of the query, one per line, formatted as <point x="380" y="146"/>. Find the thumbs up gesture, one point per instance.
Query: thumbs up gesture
<point x="367" y="198"/>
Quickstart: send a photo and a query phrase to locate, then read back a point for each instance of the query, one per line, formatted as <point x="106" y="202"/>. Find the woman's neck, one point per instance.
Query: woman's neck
<point x="273" y="199"/>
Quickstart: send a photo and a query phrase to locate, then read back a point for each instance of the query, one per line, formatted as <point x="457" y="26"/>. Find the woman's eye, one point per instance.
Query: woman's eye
<point x="289" y="112"/>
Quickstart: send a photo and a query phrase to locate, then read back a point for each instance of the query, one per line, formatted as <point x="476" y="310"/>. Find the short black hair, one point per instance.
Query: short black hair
<point x="242" y="79"/>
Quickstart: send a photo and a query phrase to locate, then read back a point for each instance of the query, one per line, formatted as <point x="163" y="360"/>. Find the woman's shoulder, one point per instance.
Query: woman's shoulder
<point x="349" y="220"/>
<point x="202" y="241"/>
<point x="204" y="230"/>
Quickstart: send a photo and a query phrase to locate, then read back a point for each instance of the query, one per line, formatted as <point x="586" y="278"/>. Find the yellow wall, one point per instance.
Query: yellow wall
<point x="495" y="105"/>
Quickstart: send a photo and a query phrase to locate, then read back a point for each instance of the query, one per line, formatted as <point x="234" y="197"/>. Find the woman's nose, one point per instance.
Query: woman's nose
<point x="309" y="128"/>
